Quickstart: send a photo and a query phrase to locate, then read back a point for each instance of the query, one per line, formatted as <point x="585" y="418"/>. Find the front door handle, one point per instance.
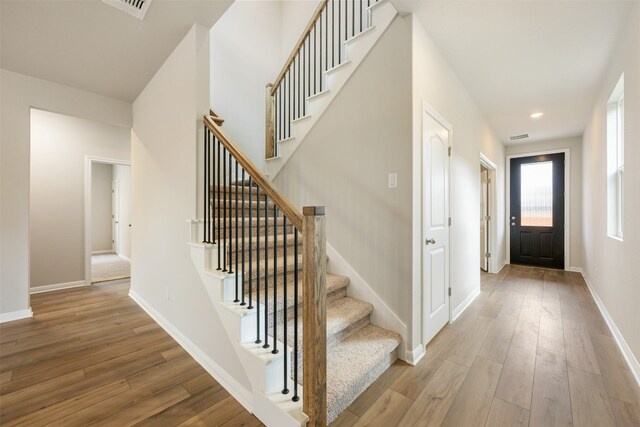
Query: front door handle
<point x="431" y="242"/>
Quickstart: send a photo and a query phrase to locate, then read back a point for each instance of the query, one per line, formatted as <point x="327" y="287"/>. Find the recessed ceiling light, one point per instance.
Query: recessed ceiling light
<point x="536" y="115"/>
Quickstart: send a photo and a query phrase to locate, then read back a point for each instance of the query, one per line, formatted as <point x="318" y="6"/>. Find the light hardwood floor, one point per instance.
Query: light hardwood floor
<point x="91" y="356"/>
<point x="532" y="350"/>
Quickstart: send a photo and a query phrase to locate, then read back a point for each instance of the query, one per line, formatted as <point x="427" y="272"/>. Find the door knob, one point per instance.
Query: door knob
<point x="431" y="242"/>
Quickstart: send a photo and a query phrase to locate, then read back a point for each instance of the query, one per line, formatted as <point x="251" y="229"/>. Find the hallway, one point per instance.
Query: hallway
<point x="532" y="350"/>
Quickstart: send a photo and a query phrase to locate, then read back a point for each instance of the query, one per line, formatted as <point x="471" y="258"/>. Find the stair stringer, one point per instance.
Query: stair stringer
<point x="382" y="315"/>
<point x="356" y="49"/>
<point x="263" y="368"/>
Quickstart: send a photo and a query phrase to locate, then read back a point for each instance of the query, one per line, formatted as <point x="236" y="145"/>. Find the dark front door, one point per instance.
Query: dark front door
<point x="537" y="210"/>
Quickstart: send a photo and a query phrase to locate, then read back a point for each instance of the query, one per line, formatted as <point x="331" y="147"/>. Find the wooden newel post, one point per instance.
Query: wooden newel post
<point x="314" y="266"/>
<point x="269" y="127"/>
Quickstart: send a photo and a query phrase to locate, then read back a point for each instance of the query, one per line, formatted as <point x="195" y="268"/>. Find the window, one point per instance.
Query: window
<point x="536" y="194"/>
<point x="615" y="161"/>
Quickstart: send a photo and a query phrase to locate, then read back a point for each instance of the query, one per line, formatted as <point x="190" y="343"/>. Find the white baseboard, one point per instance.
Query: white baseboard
<point x="58" y="286"/>
<point x="630" y="358"/>
<point x="106" y="251"/>
<point x="576" y="270"/>
<point x="464" y="305"/>
<point x="240" y="393"/>
<point x="16" y="315"/>
<point x="124" y="257"/>
<point x="415" y="355"/>
<point x="501" y="267"/>
<point x="382" y="314"/>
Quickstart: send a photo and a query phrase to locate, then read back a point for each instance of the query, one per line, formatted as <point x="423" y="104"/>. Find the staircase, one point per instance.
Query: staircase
<point x="250" y="257"/>
<point x="307" y="348"/>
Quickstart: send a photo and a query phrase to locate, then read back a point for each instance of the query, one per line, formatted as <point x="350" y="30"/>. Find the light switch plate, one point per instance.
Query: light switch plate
<point x="393" y="180"/>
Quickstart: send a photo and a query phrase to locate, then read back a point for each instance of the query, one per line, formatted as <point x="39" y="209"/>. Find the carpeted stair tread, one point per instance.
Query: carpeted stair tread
<point x="334" y="283"/>
<point x="252" y="243"/>
<point x="354" y="363"/>
<point x="342" y="313"/>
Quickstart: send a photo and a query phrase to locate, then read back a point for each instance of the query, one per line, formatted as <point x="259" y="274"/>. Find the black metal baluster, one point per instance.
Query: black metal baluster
<point x="275" y="282"/>
<point x="320" y="70"/>
<point x="339" y="33"/>
<point x="301" y="81"/>
<point x="295" y="317"/>
<point x="309" y="66"/>
<point x="235" y="237"/>
<point x="333" y="33"/>
<point x="361" y="16"/>
<point x="346" y="20"/>
<point x="289" y="100"/>
<point x="296" y="87"/>
<point x="205" y="213"/>
<point x="266" y="275"/>
<point x="315" y="58"/>
<point x="285" y="390"/>
<point x="258" y="341"/>
<point x="353" y="18"/>
<point x="212" y="138"/>
<point x="230" y="217"/>
<point x="282" y="102"/>
<point x="326" y="37"/>
<point x="224" y="207"/>
<point x="217" y="201"/>
<point x="244" y="277"/>
<point x="211" y="153"/>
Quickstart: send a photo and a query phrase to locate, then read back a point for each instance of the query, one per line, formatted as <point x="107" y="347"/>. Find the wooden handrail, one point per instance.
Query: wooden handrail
<point x="276" y="196"/>
<point x="217" y="119"/>
<point x="298" y="45"/>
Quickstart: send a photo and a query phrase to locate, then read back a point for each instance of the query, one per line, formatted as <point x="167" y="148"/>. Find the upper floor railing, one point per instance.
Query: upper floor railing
<point x="320" y="48"/>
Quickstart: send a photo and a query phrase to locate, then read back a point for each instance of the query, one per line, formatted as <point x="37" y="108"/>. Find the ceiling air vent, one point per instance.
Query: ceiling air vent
<point x="136" y="8"/>
<point x="518" y="137"/>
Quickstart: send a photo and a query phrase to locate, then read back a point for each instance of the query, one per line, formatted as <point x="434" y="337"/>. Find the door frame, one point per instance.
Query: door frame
<point x="493" y="208"/>
<point x="567" y="201"/>
<point x="418" y="194"/>
<point x="88" y="238"/>
<point x="115" y="212"/>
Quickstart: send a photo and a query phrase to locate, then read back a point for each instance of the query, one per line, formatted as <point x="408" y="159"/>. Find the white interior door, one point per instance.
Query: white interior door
<point x="115" y="215"/>
<point x="435" y="227"/>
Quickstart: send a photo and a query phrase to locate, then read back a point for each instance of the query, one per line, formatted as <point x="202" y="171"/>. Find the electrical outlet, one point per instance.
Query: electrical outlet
<point x="393" y="180"/>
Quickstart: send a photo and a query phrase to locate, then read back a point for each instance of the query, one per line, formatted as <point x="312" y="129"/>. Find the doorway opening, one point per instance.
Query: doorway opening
<point x="108" y="220"/>
<point x="485" y="218"/>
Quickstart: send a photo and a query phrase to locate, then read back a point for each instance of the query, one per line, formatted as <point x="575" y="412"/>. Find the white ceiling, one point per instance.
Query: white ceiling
<point x="520" y="57"/>
<point x="90" y="45"/>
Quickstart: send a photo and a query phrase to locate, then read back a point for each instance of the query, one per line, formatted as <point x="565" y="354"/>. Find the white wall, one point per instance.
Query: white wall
<point x="123" y="174"/>
<point x="573" y="260"/>
<point x="296" y="15"/>
<point x="344" y="161"/>
<point x="101" y="207"/>
<point x="435" y="83"/>
<point x="19" y="94"/>
<point x="612" y="266"/>
<point x="245" y="56"/>
<point x="59" y="144"/>
<point x="166" y="139"/>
